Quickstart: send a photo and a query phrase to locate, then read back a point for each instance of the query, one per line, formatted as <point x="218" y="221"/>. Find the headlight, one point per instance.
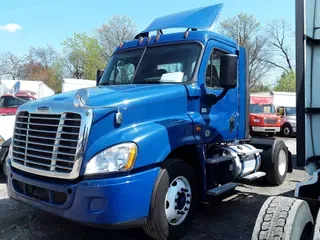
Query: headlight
<point x="1" y="140"/>
<point x="120" y="157"/>
<point x="256" y="120"/>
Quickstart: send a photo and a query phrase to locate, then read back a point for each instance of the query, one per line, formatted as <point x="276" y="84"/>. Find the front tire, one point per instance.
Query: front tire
<point x="173" y="202"/>
<point x="283" y="218"/>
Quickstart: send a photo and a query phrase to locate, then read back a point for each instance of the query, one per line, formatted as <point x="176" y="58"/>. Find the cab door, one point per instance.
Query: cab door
<point x="221" y="116"/>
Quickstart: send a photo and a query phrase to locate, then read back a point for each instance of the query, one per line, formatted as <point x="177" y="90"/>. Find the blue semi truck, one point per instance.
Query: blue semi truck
<point x="165" y="128"/>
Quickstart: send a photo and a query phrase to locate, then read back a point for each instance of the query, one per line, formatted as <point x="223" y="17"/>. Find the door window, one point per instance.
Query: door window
<point x="213" y="69"/>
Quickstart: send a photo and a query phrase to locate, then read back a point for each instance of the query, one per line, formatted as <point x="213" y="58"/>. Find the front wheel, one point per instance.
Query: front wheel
<point x="284" y="218"/>
<point x="173" y="201"/>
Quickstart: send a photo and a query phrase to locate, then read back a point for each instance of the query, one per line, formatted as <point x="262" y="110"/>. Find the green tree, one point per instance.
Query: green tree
<point x="84" y="56"/>
<point x="287" y="82"/>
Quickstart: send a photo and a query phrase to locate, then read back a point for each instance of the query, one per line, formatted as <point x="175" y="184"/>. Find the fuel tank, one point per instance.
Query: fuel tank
<point x="244" y="165"/>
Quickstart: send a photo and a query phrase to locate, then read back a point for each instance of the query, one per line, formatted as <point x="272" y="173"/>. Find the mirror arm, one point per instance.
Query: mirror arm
<point x="213" y="99"/>
<point x="222" y="94"/>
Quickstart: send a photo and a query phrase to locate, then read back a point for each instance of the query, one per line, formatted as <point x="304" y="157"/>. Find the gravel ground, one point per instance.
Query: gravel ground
<point x="232" y="218"/>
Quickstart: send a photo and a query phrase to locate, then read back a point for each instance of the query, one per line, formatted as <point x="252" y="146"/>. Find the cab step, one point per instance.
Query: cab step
<point x="254" y="176"/>
<point x="222" y="189"/>
<point x="220" y="159"/>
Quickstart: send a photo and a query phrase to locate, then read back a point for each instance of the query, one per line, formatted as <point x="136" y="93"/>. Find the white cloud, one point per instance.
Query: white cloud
<point x="11" y="27"/>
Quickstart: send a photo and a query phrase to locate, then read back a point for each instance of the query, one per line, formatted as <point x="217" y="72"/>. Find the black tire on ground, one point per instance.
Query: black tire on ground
<point x="276" y="170"/>
<point x="287" y="130"/>
<point x="158" y="227"/>
<point x="283" y="218"/>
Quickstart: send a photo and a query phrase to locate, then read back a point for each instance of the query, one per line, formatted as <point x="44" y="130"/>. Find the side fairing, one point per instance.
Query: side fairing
<point x="244" y="95"/>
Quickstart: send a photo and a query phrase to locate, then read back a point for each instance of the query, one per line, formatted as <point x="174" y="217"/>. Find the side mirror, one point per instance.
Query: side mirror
<point x="228" y="71"/>
<point x="16" y="88"/>
<point x="80" y="98"/>
<point x="99" y="75"/>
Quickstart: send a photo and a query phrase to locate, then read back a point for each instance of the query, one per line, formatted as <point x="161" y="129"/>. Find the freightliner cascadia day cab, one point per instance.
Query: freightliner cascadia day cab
<point x="298" y="217"/>
<point x="165" y="128"/>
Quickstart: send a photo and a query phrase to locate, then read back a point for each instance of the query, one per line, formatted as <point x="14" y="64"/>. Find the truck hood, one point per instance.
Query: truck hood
<point x="121" y="95"/>
<point x="263" y="115"/>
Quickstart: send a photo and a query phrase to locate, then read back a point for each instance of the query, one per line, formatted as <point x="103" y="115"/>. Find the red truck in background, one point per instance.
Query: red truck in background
<point x="9" y="104"/>
<point x="263" y="116"/>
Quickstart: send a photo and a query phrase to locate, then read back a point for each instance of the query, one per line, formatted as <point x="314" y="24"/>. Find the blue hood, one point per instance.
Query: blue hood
<point x="123" y="95"/>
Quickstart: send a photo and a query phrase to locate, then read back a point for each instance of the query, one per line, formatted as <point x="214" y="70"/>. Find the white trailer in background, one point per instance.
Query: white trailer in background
<point x="70" y="84"/>
<point x="40" y="88"/>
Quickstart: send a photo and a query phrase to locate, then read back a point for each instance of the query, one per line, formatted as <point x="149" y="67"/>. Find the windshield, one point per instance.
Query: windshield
<point x="147" y="65"/>
<point x="9" y="101"/>
<point x="262" y="108"/>
<point x="290" y="111"/>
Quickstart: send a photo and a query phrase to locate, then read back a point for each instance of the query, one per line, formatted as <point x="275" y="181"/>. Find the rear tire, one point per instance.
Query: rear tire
<point x="278" y="168"/>
<point x="173" y="202"/>
<point x="283" y="218"/>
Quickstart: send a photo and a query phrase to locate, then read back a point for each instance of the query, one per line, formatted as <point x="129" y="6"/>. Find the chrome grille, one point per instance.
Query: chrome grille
<point x="270" y="121"/>
<point x="47" y="142"/>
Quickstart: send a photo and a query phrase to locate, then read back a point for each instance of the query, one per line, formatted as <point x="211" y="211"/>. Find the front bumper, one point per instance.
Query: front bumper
<point x="121" y="202"/>
<point x="265" y="129"/>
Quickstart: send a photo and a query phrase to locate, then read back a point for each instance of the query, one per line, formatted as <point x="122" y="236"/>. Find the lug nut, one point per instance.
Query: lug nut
<point x="188" y="202"/>
<point x="186" y="209"/>
<point x="188" y="195"/>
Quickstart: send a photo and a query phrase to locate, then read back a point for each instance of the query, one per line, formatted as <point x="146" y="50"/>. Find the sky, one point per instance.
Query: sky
<point x="25" y="23"/>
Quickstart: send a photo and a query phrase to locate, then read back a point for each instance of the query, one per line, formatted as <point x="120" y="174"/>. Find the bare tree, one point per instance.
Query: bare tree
<point x="45" y="56"/>
<point x="245" y="29"/>
<point x="10" y="64"/>
<point x="117" y="30"/>
<point x="279" y="31"/>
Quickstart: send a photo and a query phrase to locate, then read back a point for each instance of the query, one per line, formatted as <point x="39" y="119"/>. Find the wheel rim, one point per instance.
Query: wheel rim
<point x="178" y="200"/>
<point x="282" y="162"/>
<point x="286" y="131"/>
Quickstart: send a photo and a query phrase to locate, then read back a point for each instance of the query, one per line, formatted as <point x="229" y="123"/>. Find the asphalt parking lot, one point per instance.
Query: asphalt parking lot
<point x="232" y="218"/>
